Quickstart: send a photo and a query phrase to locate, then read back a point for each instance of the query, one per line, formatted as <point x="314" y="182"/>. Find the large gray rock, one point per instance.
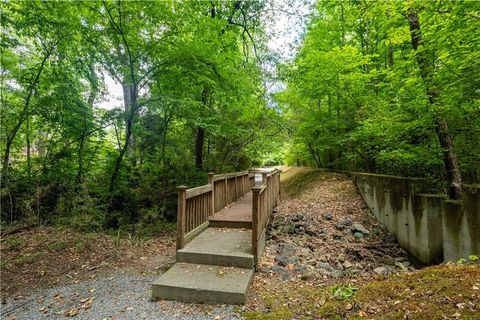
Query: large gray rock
<point x="360" y="228"/>
<point x="325" y="266"/>
<point x="277" y="268"/>
<point x="283" y="261"/>
<point x="342" y="224"/>
<point x="358" y="235"/>
<point x="383" y="270"/>
<point x="287" y="250"/>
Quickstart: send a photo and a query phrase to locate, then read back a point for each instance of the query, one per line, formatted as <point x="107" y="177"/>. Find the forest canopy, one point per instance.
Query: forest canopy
<point x="193" y="102"/>
<point x="378" y="86"/>
<point x="389" y="87"/>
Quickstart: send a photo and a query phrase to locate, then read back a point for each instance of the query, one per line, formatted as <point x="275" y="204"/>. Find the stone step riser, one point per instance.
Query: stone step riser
<point x="231" y="224"/>
<point x="215" y="259"/>
<point x="188" y="295"/>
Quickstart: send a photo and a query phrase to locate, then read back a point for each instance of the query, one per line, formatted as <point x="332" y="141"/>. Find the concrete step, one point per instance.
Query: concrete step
<point x="219" y="247"/>
<point x="223" y="223"/>
<point x="199" y="283"/>
<point x="235" y="215"/>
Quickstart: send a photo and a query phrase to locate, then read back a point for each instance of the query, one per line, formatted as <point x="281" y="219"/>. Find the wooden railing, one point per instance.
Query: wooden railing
<point x="229" y="187"/>
<point x="196" y="205"/>
<point x="264" y="200"/>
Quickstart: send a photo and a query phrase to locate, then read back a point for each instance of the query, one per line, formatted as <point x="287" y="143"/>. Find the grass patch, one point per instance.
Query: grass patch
<point x="28" y="258"/>
<point x="298" y="180"/>
<point x="57" y="245"/>
<point x="15" y="243"/>
<point x="440" y="292"/>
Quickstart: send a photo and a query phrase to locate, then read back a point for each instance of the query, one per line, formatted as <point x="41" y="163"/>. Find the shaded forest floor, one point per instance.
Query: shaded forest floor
<point x="326" y="257"/>
<point x="42" y="257"/>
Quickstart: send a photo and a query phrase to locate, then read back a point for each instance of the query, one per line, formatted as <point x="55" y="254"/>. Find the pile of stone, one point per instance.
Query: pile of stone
<point x="354" y="229"/>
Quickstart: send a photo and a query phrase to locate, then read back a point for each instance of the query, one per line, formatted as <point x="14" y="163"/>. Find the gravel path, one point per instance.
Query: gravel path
<point x="121" y="295"/>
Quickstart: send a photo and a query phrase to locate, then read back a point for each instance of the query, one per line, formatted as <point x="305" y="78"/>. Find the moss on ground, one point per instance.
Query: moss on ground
<point x="297" y="180"/>
<point x="440" y="292"/>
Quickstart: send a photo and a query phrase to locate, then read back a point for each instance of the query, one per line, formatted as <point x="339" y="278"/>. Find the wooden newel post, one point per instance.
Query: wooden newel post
<point x="255" y="218"/>
<point x="212" y="183"/>
<point x="264" y="178"/>
<point x="182" y="203"/>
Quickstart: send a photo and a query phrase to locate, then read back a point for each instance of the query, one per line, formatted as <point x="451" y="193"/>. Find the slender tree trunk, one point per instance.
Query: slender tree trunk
<point x="29" y="159"/>
<point x="425" y="65"/>
<point x="199" y="147"/>
<point x="118" y="161"/>
<point x="23" y="116"/>
<point x="128" y="134"/>
<point x="200" y="139"/>
<point x="83" y="139"/>
<point x="314" y="155"/>
<point x="127" y="102"/>
<point x="390" y="55"/>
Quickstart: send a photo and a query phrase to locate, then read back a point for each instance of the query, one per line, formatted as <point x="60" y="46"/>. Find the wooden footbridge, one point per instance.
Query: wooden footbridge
<point x="221" y="230"/>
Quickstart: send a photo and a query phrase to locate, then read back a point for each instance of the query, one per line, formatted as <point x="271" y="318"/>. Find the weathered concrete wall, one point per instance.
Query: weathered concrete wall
<point x="428" y="226"/>
<point x="461" y="225"/>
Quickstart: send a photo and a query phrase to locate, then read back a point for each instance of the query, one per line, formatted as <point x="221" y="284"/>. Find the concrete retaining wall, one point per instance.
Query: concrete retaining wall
<point x="430" y="227"/>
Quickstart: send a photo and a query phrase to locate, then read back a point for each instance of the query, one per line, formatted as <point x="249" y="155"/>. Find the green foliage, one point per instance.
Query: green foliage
<point x="184" y="67"/>
<point x="15" y="243"/>
<point x="342" y="292"/>
<point x="355" y="97"/>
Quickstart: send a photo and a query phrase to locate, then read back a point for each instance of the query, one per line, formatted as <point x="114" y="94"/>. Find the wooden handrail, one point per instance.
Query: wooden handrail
<point x="198" y="191"/>
<point x="196" y="205"/>
<point x="228" y="175"/>
<point x="264" y="199"/>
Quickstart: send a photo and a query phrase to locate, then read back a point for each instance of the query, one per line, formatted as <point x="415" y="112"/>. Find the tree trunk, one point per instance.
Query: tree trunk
<point x="128" y="134"/>
<point x="454" y="177"/>
<point x="127" y="103"/>
<point x="23" y="115"/>
<point x="314" y="153"/>
<point x="29" y="158"/>
<point x="390" y="55"/>
<point x="93" y="78"/>
<point x="200" y="140"/>
<point x="199" y="147"/>
<point x="425" y="65"/>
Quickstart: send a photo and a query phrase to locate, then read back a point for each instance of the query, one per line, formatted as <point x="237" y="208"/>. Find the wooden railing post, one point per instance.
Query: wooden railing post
<point x="279" y="198"/>
<point x="212" y="183"/>
<point x="251" y="182"/>
<point x="182" y="196"/>
<point x="255" y="218"/>
<point x="227" y="198"/>
<point x="264" y="178"/>
<point x="236" y="188"/>
<point x="243" y="183"/>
